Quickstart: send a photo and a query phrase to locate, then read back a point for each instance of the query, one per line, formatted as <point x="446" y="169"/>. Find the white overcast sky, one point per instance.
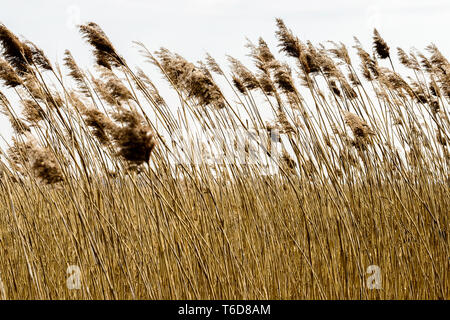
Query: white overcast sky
<point x="193" y="27"/>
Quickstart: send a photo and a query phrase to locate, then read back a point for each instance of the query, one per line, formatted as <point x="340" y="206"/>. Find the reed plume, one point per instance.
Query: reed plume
<point x="381" y="47"/>
<point x="99" y="124"/>
<point x="28" y="155"/>
<point x="104" y="52"/>
<point x="369" y="66"/>
<point x="38" y="56"/>
<point x="14" y="51"/>
<point x="194" y="81"/>
<point x="358" y="126"/>
<point x="8" y="75"/>
<point x="45" y="165"/>
<point x="75" y="72"/>
<point x="283" y="78"/>
<point x="289" y="43"/>
<point x="32" y="111"/>
<point x="134" y="140"/>
<point x="243" y="74"/>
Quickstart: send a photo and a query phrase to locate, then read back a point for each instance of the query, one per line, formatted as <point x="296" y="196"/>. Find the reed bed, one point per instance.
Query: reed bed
<point x="152" y="199"/>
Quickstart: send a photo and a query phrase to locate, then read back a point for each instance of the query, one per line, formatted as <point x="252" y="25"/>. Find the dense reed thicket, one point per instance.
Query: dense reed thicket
<point x="160" y="200"/>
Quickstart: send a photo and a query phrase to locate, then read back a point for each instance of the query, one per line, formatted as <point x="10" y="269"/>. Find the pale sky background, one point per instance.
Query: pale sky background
<point x="220" y="27"/>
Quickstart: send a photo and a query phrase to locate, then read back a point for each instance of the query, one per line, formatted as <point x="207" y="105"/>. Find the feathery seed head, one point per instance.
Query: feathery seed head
<point x="358" y="126"/>
<point x="287" y="41"/>
<point x="380" y="45"/>
<point x="8" y="75"/>
<point x="14" y="51"/>
<point x="104" y="52"/>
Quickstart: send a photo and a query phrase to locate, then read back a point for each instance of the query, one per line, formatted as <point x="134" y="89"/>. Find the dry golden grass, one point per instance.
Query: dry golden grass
<point x="362" y="175"/>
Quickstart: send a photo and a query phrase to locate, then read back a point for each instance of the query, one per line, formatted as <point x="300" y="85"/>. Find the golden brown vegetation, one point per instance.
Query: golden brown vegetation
<point x="89" y="179"/>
